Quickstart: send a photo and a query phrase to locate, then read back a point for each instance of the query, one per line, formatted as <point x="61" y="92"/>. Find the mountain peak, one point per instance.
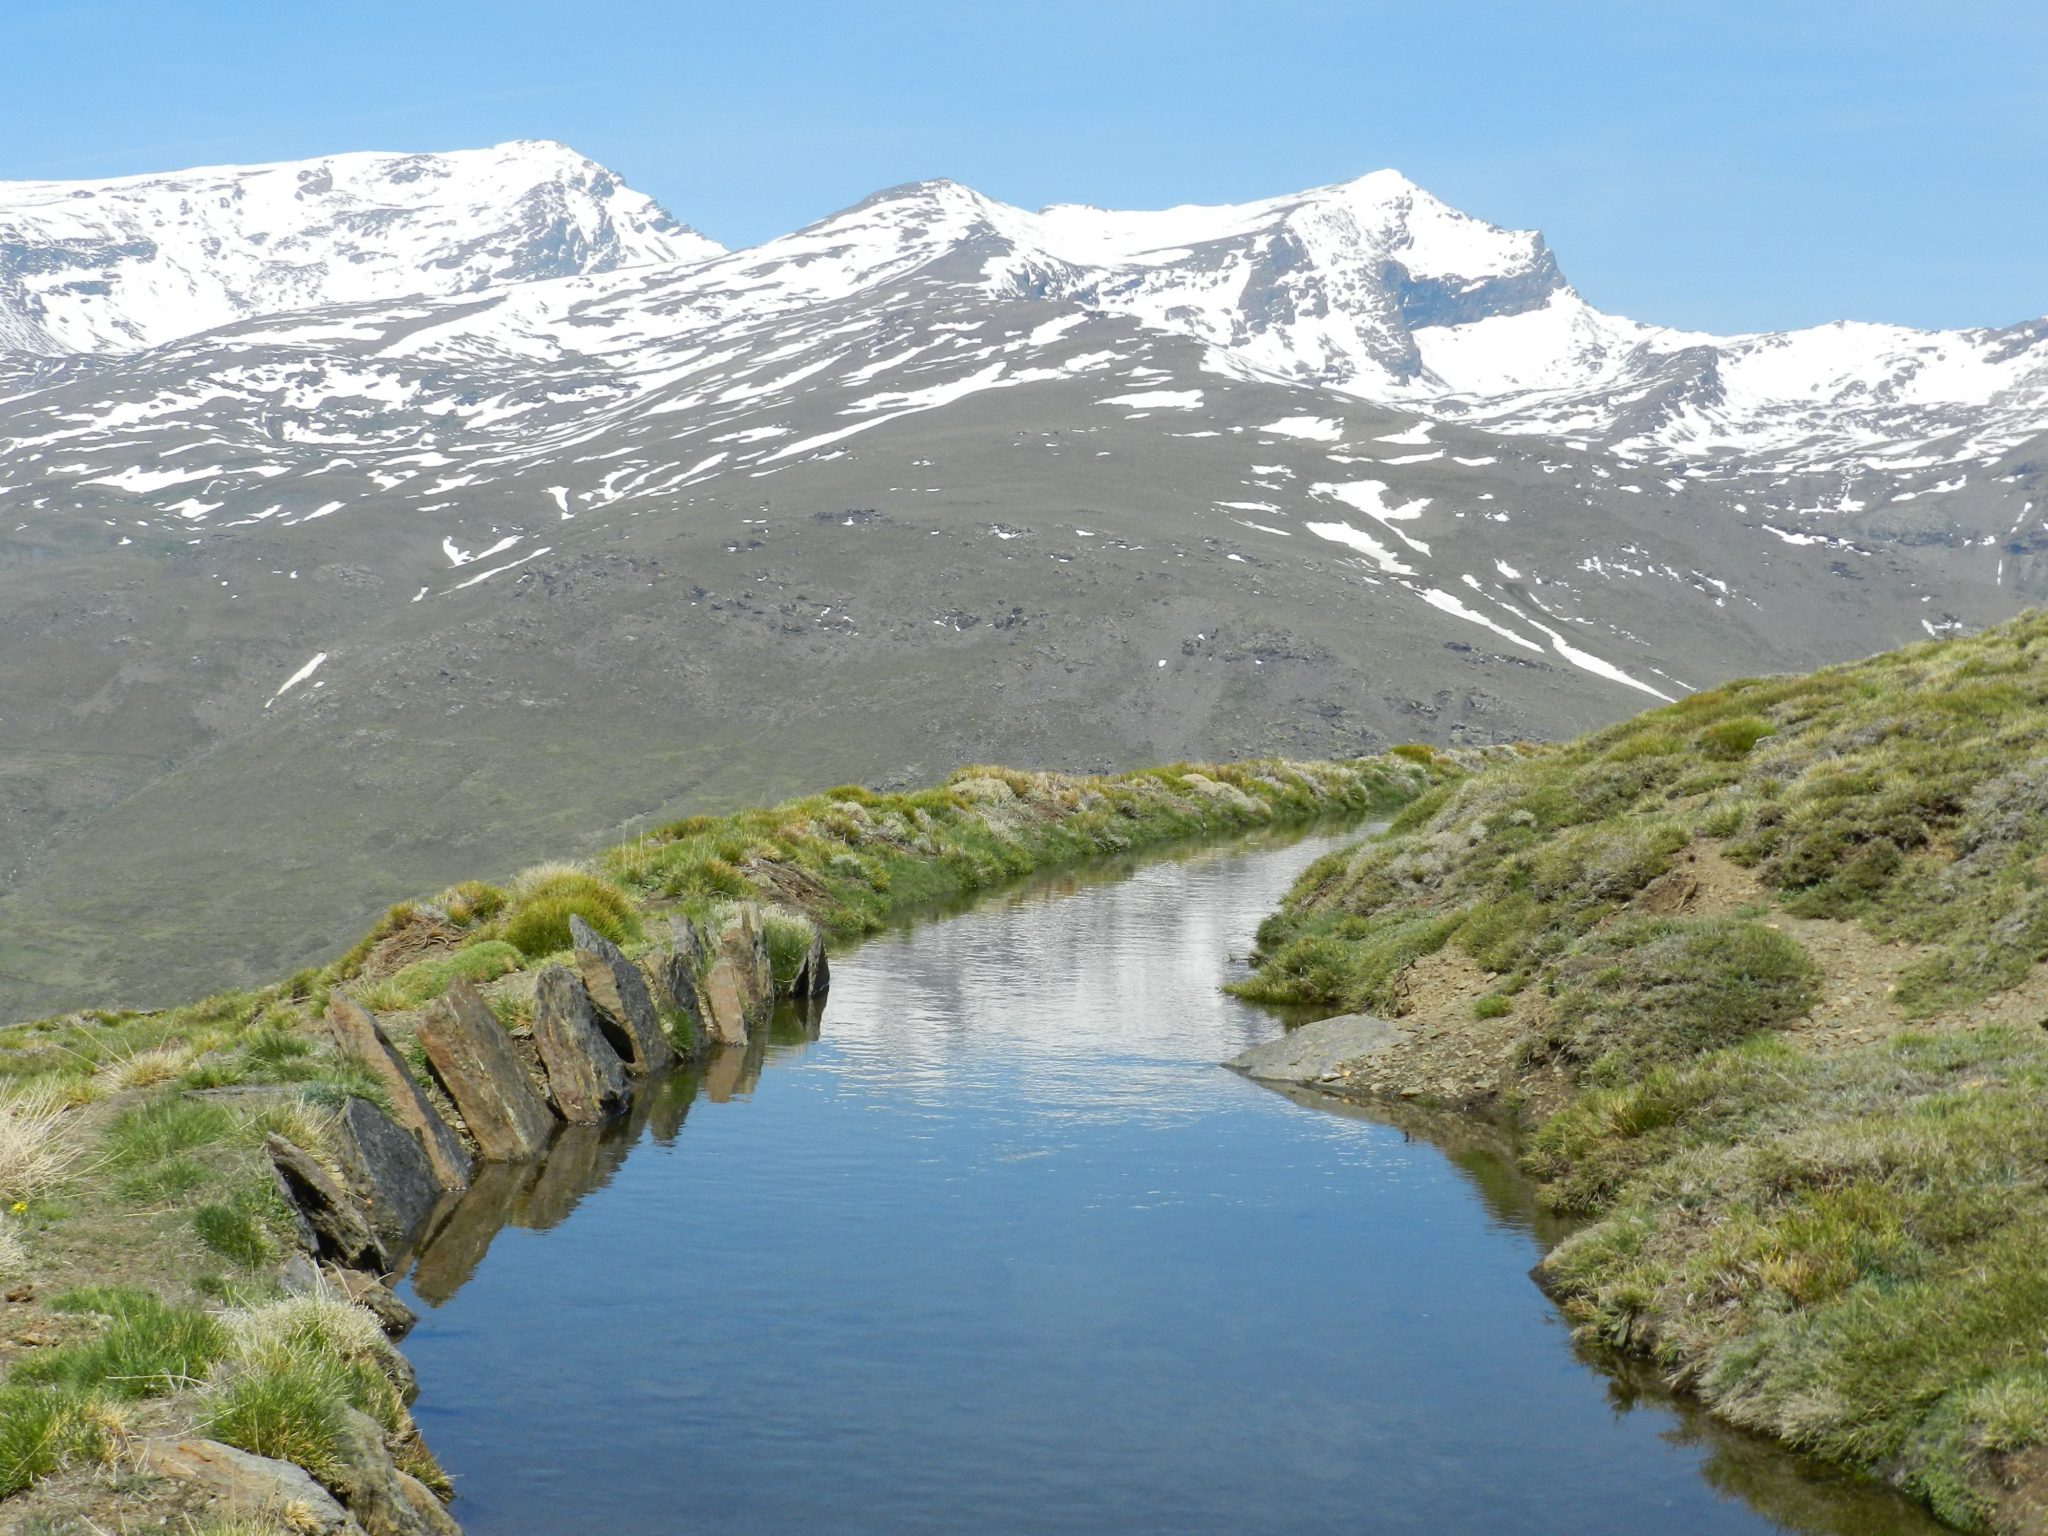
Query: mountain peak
<point x="122" y="264"/>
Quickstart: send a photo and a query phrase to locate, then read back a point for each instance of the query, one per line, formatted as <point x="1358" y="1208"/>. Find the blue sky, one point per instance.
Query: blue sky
<point x="1730" y="166"/>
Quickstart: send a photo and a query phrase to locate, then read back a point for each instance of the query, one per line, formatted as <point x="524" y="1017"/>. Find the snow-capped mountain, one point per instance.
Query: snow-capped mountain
<point x="567" y="514"/>
<point x="118" y="266"/>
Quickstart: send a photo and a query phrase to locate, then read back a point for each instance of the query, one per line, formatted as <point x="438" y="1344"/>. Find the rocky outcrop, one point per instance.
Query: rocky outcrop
<point x="1313" y="1051"/>
<point x="253" y="1487"/>
<point x="337" y="1229"/>
<point x="743" y="939"/>
<point x="586" y="1079"/>
<point x="618" y="992"/>
<point x="358" y="1035"/>
<point x="387" y="1171"/>
<point x="473" y="1060"/>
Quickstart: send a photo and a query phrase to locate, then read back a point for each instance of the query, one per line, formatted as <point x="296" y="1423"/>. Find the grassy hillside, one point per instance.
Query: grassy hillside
<point x="1760" y="973"/>
<point x="141" y="1235"/>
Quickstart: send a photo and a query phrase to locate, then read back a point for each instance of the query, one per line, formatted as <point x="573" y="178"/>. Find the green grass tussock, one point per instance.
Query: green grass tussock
<point x="788" y="936"/>
<point x="290" y="1372"/>
<point x="545" y="898"/>
<point x="41" y="1429"/>
<point x="163" y="1127"/>
<point x="147" y="1348"/>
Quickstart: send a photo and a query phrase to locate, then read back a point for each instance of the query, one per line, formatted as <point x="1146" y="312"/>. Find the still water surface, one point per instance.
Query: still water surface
<point x="996" y="1246"/>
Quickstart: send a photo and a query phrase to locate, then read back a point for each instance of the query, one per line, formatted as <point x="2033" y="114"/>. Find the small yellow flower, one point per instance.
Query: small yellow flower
<point x="19" y="1206"/>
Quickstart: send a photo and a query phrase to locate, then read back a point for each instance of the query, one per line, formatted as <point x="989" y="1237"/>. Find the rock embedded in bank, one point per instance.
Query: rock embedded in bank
<point x="618" y="992"/>
<point x="1311" y="1052"/>
<point x="739" y="985"/>
<point x="673" y="979"/>
<point x="473" y="1059"/>
<point x="366" y="1291"/>
<point x="585" y="1076"/>
<point x="814" y="976"/>
<point x="725" y="1003"/>
<point x="338" y="1229"/>
<point x="387" y="1501"/>
<point x="246" y="1483"/>
<point x="386" y="1171"/>
<point x="359" y="1036"/>
<point x="743" y="938"/>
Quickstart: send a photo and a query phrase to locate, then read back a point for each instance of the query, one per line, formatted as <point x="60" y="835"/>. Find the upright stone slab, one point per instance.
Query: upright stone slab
<point x="386" y="1171"/>
<point x="358" y="1035"/>
<point x="585" y="1076"/>
<point x="473" y="1058"/>
<point x="743" y="944"/>
<point x="385" y="1500"/>
<point x="674" y="975"/>
<point x="725" y="1002"/>
<point x="814" y="976"/>
<point x="625" y="1011"/>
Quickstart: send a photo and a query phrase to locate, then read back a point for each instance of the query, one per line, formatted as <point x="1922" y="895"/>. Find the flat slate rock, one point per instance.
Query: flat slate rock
<point x="1314" y="1050"/>
<point x="672" y="980"/>
<point x="250" y="1485"/>
<point x="325" y="1209"/>
<point x="726" y="990"/>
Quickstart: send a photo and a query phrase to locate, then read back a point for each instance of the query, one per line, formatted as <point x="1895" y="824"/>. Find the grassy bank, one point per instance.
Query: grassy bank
<point x="1760" y="973"/>
<point x="141" y="1236"/>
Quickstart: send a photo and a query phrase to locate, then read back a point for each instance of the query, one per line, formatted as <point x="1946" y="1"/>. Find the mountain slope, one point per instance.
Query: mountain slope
<point x="379" y="589"/>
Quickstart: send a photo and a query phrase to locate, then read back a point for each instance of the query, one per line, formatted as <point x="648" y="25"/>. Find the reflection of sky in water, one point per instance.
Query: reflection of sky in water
<point x="1006" y="1250"/>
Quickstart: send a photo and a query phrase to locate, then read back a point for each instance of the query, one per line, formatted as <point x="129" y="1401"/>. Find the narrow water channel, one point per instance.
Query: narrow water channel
<point x="995" y="1246"/>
